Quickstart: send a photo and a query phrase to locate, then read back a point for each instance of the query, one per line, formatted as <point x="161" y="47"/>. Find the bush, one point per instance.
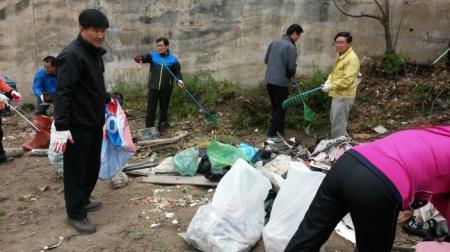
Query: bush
<point x="134" y="95"/>
<point x="393" y="64"/>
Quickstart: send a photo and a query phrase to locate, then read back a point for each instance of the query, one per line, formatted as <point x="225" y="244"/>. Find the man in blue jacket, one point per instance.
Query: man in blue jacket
<point x="160" y="82"/>
<point x="45" y="82"/>
<point x="281" y="58"/>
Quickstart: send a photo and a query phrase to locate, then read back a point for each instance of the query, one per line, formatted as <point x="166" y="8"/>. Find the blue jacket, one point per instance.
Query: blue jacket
<point x="43" y="82"/>
<point x="160" y="78"/>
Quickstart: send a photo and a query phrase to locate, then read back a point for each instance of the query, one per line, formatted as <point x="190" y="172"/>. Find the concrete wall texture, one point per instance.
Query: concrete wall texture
<point x="227" y="37"/>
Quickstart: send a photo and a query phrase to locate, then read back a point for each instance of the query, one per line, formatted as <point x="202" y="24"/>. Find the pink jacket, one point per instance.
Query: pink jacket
<point x="417" y="162"/>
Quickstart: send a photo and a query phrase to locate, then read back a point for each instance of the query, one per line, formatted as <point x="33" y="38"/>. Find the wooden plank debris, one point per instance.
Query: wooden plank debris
<point x="179" y="180"/>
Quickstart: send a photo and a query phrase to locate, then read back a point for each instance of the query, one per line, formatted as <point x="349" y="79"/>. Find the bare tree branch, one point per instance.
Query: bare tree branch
<point x="380" y="19"/>
<point x="380" y="7"/>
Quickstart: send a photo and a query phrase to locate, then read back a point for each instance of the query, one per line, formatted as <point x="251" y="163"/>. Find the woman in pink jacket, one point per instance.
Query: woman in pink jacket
<point x="373" y="182"/>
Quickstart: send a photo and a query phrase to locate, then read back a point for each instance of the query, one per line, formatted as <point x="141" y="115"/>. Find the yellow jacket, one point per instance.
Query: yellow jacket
<point x="343" y="75"/>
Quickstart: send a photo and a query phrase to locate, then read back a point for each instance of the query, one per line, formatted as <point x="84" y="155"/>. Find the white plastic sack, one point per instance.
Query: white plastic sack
<point x="56" y="159"/>
<point x="290" y="206"/>
<point x="234" y="220"/>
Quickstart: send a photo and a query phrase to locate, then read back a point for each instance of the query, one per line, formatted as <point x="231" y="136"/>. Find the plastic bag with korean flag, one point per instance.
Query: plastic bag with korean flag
<point x="117" y="145"/>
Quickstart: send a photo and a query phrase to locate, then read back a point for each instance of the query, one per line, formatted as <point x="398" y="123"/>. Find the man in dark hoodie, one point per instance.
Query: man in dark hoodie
<point x="80" y="115"/>
<point x="160" y="82"/>
<point x="281" y="57"/>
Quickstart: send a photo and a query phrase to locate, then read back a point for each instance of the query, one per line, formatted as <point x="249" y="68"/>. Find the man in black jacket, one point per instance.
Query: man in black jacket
<point x="160" y="82"/>
<point x="80" y="115"/>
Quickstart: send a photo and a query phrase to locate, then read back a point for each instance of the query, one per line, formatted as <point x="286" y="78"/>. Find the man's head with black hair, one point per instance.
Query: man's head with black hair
<point x="93" y="25"/>
<point x="294" y="31"/>
<point x="162" y="44"/>
<point x="343" y="41"/>
<point x="49" y="64"/>
<point x="93" y="18"/>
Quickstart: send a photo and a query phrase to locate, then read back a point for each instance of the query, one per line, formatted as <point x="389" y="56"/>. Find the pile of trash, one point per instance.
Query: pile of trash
<point x="279" y="179"/>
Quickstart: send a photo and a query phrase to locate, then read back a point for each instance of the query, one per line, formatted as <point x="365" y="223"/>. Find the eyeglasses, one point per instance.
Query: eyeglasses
<point x="340" y="43"/>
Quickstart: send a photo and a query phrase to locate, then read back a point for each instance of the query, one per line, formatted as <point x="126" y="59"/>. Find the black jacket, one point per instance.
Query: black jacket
<point x="159" y="77"/>
<point x="81" y="95"/>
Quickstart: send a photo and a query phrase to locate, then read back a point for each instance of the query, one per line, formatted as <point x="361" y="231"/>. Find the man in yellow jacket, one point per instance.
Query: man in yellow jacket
<point x="341" y="84"/>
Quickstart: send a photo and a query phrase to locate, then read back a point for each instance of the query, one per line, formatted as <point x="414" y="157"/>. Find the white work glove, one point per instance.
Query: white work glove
<point x="16" y="96"/>
<point x="61" y="138"/>
<point x="4" y="99"/>
<point x="180" y="84"/>
<point x="326" y="86"/>
<point x="41" y="97"/>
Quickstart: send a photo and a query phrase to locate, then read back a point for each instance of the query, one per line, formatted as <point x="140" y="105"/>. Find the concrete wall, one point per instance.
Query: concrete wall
<point x="227" y="37"/>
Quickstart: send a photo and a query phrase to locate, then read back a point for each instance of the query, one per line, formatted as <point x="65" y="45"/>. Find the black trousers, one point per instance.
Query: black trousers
<point x="350" y="187"/>
<point x="81" y="168"/>
<point x="277" y="95"/>
<point x="155" y="96"/>
<point x="41" y="109"/>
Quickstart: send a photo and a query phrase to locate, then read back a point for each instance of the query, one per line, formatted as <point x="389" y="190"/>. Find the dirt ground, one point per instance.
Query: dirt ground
<point x="33" y="212"/>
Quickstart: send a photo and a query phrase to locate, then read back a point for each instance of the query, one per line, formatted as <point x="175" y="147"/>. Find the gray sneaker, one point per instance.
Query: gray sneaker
<point x="93" y="206"/>
<point x="83" y="226"/>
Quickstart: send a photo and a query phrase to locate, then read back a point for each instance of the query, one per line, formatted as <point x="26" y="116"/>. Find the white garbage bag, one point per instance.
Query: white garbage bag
<point x="56" y="159"/>
<point x="234" y="220"/>
<point x="290" y="206"/>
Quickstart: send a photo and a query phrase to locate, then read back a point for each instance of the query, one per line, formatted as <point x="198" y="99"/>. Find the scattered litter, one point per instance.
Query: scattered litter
<point x="53" y="244"/>
<point x="155" y="225"/>
<point x="175" y="221"/>
<point x="147" y="134"/>
<point x="170" y="215"/>
<point x="210" y="190"/>
<point x="44" y="188"/>
<point x="380" y="129"/>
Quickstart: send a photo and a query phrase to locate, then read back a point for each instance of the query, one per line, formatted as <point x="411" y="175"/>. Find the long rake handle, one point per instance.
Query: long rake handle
<point x="186" y="91"/>
<point x="24" y="117"/>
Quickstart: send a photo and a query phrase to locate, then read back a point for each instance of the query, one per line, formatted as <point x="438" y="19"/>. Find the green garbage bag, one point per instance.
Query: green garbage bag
<point x="186" y="161"/>
<point x="222" y="155"/>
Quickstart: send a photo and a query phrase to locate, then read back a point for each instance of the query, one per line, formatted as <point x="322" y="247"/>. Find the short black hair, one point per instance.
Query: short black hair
<point x="347" y="35"/>
<point x="93" y="18"/>
<point x="166" y="41"/>
<point x="294" y="28"/>
<point x="50" y="59"/>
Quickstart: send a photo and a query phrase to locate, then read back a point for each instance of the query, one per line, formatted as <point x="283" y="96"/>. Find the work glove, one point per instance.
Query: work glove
<point x="16" y="96"/>
<point x="138" y="58"/>
<point x="326" y="87"/>
<point x="180" y="84"/>
<point x="61" y="138"/>
<point x="4" y="99"/>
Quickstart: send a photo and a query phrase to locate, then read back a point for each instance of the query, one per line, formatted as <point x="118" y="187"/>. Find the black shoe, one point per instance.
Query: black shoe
<point x="163" y="126"/>
<point x="5" y="159"/>
<point x="93" y="206"/>
<point x="83" y="226"/>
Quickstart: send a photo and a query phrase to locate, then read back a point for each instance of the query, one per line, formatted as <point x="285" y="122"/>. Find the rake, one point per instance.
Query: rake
<point x="209" y="117"/>
<point x="308" y="114"/>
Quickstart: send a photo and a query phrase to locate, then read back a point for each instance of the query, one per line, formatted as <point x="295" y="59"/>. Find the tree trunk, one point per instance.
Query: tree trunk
<point x="388" y="37"/>
<point x="387" y="28"/>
